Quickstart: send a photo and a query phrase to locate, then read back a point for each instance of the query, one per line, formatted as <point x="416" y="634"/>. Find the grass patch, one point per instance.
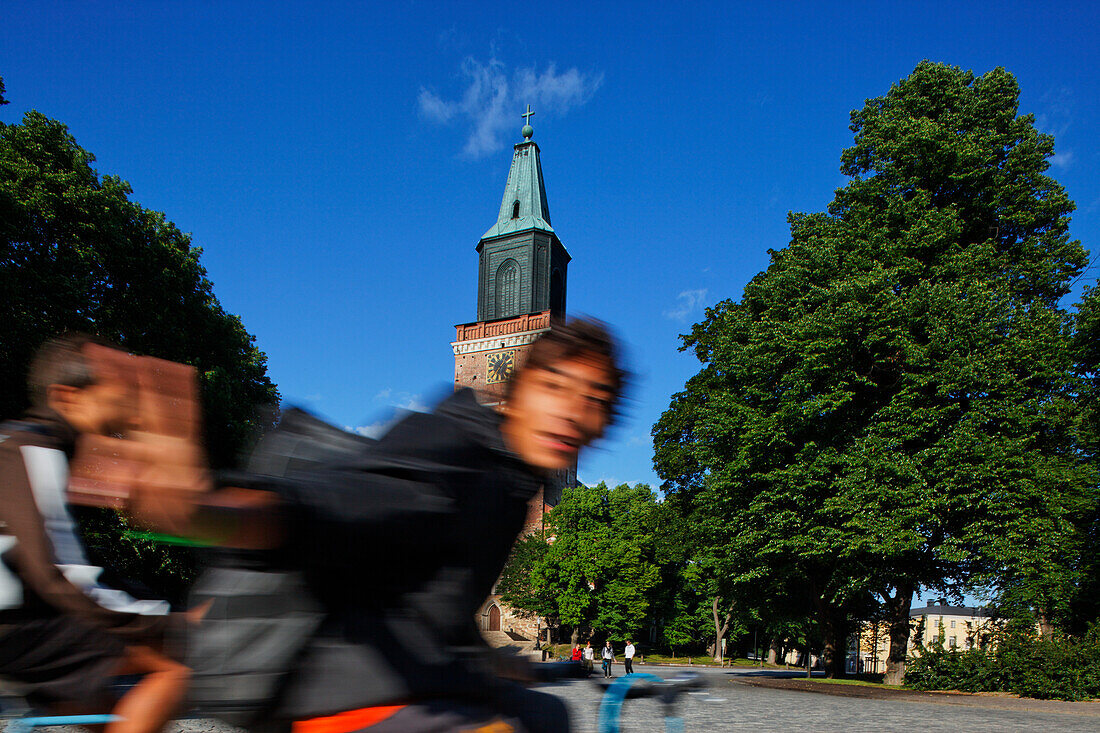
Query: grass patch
<point x="863" y="680"/>
<point x="704" y="661"/>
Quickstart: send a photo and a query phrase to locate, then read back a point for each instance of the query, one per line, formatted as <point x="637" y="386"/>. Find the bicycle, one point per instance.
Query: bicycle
<point x="629" y="687"/>
<point x="21" y="717"/>
<point x="643" y="684"/>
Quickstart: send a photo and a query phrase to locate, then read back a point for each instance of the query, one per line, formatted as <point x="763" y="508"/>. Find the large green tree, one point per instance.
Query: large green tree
<point x="76" y="254"/>
<point x="600" y="567"/>
<point x="1083" y="608"/>
<point x="888" y="407"/>
<point x="517" y="585"/>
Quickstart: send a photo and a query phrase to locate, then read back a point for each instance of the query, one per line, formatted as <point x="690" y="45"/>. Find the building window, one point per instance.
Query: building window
<point x="954" y="642"/>
<point x="515" y="210"/>
<point x="952" y="623"/>
<point x="507" y="289"/>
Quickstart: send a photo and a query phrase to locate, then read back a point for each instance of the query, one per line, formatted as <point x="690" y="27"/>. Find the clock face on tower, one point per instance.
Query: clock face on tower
<point x="501" y="365"/>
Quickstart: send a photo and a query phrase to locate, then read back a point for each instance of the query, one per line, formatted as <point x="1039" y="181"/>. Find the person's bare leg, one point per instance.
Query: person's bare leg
<point x="151" y="703"/>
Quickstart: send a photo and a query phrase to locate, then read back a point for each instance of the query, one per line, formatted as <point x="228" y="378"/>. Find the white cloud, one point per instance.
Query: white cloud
<point x="1058" y="111"/>
<point x="686" y="303"/>
<point x="411" y="402"/>
<point x="1062" y="160"/>
<point x="435" y="108"/>
<point x="493" y="98"/>
<point x="401" y="400"/>
<point x="374" y="430"/>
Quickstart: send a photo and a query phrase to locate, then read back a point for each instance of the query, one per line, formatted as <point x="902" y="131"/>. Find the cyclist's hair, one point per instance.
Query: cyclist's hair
<point x="578" y="337"/>
<point x="60" y="361"/>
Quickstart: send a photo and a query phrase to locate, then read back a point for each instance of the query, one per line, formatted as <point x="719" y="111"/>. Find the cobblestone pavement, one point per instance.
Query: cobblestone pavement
<point x="729" y="705"/>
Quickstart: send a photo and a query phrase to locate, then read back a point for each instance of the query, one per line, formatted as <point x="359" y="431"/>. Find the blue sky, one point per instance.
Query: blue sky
<point x="337" y="162"/>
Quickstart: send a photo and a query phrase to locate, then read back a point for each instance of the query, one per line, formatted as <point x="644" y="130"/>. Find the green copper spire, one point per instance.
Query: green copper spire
<point x="524" y="204"/>
<point x="522" y="265"/>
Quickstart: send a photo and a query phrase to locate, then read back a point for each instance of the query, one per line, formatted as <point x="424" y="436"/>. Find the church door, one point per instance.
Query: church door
<point x="494" y="618"/>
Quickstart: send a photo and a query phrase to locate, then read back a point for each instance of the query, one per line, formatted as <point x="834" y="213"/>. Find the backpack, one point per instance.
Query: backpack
<point x="262" y="614"/>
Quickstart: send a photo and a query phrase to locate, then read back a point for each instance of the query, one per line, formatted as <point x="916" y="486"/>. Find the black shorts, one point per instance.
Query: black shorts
<point x="59" y="659"/>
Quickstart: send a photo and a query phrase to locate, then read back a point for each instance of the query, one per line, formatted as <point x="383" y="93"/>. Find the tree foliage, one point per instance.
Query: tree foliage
<point x="1084" y="605"/>
<point x="599" y="567"/>
<point x="516" y="585"/>
<point x="1059" y="668"/>
<point x="76" y="254"/>
<point x="889" y="405"/>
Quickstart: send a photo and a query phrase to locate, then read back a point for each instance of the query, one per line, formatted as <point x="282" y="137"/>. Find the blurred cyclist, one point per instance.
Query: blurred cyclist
<point x="403" y="543"/>
<point x="64" y="637"/>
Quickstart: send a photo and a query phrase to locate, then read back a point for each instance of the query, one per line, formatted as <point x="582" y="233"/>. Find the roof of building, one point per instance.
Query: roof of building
<point x="953" y="611"/>
<point x="525" y="186"/>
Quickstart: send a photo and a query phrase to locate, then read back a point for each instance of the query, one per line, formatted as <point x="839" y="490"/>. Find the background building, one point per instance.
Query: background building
<point x="951" y="627"/>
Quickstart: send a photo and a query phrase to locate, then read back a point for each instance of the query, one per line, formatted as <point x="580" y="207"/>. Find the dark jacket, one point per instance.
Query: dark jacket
<point x="45" y="590"/>
<point x="401" y="545"/>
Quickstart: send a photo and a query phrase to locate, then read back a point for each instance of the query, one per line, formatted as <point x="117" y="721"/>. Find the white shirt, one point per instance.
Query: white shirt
<point x="589" y="652"/>
<point x="629" y="651"/>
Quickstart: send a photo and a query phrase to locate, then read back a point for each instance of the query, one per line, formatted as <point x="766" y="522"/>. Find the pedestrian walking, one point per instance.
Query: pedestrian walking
<point x="628" y="657"/>
<point x="608" y="659"/>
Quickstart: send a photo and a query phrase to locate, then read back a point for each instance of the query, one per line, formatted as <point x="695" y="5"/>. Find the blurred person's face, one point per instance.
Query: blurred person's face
<point x="105" y="407"/>
<point x="556" y="410"/>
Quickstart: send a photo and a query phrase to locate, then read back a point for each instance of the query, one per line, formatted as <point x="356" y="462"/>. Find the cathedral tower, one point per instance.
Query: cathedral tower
<point x="521" y="283"/>
<point x="520" y="294"/>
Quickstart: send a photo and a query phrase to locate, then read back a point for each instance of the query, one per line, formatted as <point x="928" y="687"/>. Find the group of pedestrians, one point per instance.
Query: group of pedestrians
<point x="586" y="656"/>
<point x="397" y="543"/>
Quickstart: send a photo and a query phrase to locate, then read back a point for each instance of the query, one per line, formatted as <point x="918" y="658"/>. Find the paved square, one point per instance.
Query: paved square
<point x="729" y="704"/>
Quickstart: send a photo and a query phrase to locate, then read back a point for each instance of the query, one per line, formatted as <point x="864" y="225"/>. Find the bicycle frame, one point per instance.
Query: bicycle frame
<point x="612" y="703"/>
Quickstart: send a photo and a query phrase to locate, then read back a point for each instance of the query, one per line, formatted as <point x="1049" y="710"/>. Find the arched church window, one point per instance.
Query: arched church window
<point x="515" y="210"/>
<point x="507" y="289"/>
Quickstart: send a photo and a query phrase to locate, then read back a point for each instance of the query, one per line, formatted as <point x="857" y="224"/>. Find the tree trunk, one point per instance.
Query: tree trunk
<point x="1046" y="629"/>
<point x="897" y="619"/>
<point x="835" y="627"/>
<point x="575" y="636"/>
<point x="774" y="650"/>
<point x="719" y="627"/>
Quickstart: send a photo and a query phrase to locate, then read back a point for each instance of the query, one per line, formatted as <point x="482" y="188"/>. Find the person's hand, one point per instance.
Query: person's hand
<point x="156" y="468"/>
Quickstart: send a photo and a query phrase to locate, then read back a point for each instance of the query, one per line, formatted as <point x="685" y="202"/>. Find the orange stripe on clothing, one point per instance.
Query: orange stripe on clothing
<point x="346" y="722"/>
